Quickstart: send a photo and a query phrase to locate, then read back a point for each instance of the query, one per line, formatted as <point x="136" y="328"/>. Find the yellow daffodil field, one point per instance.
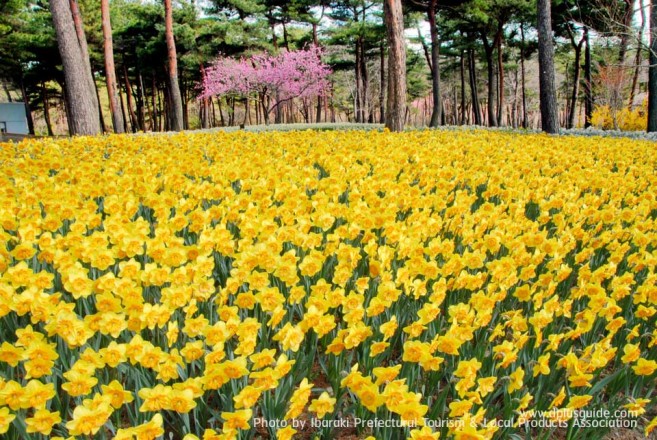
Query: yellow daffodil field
<point x="452" y="284"/>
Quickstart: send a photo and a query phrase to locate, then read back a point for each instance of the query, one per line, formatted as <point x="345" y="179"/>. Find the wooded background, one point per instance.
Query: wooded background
<point x="467" y="62"/>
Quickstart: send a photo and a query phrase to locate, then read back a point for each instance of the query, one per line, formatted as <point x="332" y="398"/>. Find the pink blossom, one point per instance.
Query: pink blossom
<point x="279" y="78"/>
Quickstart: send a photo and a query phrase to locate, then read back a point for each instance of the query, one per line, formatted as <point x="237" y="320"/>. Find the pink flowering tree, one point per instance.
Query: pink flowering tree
<point x="271" y="79"/>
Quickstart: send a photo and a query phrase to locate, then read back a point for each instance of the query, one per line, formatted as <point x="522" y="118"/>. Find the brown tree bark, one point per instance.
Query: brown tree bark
<point x="492" y="81"/>
<point x="286" y="43"/>
<point x="359" y="99"/>
<point x="462" y="73"/>
<point x="205" y="113"/>
<point x="573" y="97"/>
<point x="67" y="108"/>
<point x="365" y="79"/>
<point x="176" y="110"/>
<point x="548" y="91"/>
<point x="638" y="56"/>
<point x="28" y="110"/>
<point x="183" y="94"/>
<point x="46" y="108"/>
<point x="155" y="125"/>
<point x="82" y="39"/>
<point x="525" y="120"/>
<point x="396" y="105"/>
<point x="124" y="114"/>
<point x="382" y="89"/>
<point x="588" y="83"/>
<point x="513" y="113"/>
<point x="436" y="111"/>
<point x="110" y="72"/>
<point x="476" y="109"/>
<point x="81" y="97"/>
<point x="318" y="111"/>
<point x="128" y="93"/>
<point x="500" y="74"/>
<point x="214" y="114"/>
<point x="103" y="129"/>
<point x="221" y="112"/>
<point x="626" y="29"/>
<point x="652" y="71"/>
<point x="575" y="93"/>
<point x="141" y="117"/>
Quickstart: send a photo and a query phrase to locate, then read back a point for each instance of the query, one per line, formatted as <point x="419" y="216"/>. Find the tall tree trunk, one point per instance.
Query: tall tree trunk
<point x="46" y="108"/>
<point x="572" y="105"/>
<point x="396" y="106"/>
<point x="365" y="79"/>
<point x="625" y="31"/>
<point x="155" y="124"/>
<point x="588" y="83"/>
<point x="79" y="31"/>
<point x="637" y="58"/>
<point x="141" y="117"/>
<point x="176" y="99"/>
<point x="100" y="109"/>
<point x="274" y="38"/>
<point x="382" y="90"/>
<point x="573" y="97"/>
<point x="128" y="93"/>
<point x="462" y="72"/>
<point x="455" y="117"/>
<point x="231" y="117"/>
<point x="28" y="110"/>
<point x="81" y="97"/>
<point x="166" y="109"/>
<point x="513" y="116"/>
<point x="124" y="113"/>
<point x="492" y="82"/>
<point x="473" y="87"/>
<point x="652" y="71"/>
<point x="318" y="111"/>
<point x="358" y="101"/>
<point x="525" y="120"/>
<point x="286" y="43"/>
<point x="147" y="104"/>
<point x="263" y="108"/>
<point x="110" y="71"/>
<point x="548" y="91"/>
<point x="247" y="113"/>
<point x="205" y="118"/>
<point x="161" y="120"/>
<point x="67" y="108"/>
<point x="436" y="111"/>
<point x="183" y="93"/>
<point x="213" y="122"/>
<point x="332" y="104"/>
<point x="278" y="112"/>
<point x="500" y="73"/>
<point x="566" y="83"/>
<point x="82" y="39"/>
<point x="221" y="112"/>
